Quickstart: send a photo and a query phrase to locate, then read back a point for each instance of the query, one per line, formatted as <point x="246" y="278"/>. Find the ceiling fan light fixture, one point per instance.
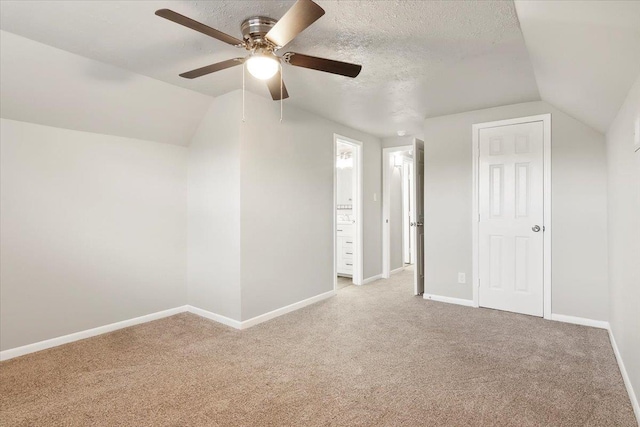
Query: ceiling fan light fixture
<point x="262" y="37"/>
<point x="262" y="66"/>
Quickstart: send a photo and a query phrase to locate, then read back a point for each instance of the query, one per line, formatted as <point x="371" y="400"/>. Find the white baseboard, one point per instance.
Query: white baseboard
<point x="623" y="371"/>
<point x="263" y="317"/>
<point x="625" y="376"/>
<point x="286" y="309"/>
<point x="372" y="279"/>
<point x="580" y="321"/>
<point x="450" y="300"/>
<point x="54" y="342"/>
<point x="397" y="270"/>
<point x="65" y="339"/>
<point x="215" y="317"/>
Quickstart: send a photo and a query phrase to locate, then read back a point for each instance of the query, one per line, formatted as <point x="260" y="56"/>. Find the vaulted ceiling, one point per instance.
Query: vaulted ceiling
<point x="420" y="58"/>
<point x="585" y="54"/>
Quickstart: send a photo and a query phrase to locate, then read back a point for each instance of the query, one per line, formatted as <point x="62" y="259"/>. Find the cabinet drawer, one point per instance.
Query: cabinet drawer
<point x="347" y="252"/>
<point x="347" y="242"/>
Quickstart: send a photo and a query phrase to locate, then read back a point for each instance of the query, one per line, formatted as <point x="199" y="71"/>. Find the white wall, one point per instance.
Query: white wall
<point x="579" y="219"/>
<point x="214" y="210"/>
<point x="624" y="233"/>
<point x="93" y="230"/>
<point x="287" y="205"/>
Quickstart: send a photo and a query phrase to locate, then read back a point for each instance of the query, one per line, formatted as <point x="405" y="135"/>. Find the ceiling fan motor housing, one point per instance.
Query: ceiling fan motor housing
<point x="254" y="30"/>
<point x="262" y="37"/>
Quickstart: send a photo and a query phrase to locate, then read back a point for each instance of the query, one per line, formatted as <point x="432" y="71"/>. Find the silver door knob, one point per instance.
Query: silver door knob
<point x="536" y="228"/>
<point x="419" y="224"/>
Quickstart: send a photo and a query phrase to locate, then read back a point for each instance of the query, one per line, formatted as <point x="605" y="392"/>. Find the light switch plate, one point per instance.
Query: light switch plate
<point x="462" y="278"/>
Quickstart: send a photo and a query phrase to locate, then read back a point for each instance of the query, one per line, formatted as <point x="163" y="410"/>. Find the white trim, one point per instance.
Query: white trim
<point x="372" y="279"/>
<point x="286" y="309"/>
<point x="65" y="339"/>
<point x="580" y="321"/>
<point x="263" y="317"/>
<point x="547" y="282"/>
<point x="397" y="270"/>
<point x="215" y="317"/>
<point x="358" y="268"/>
<point x="449" y="300"/>
<point x="386" y="206"/>
<point x="76" y="336"/>
<point x="601" y="324"/>
<point x="625" y="377"/>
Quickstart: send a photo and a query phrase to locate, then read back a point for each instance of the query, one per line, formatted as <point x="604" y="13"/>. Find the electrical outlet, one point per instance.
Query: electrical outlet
<point x="462" y="278"/>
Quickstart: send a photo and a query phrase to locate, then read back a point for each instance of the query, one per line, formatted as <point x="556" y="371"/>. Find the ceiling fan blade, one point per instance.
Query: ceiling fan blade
<point x="199" y="72"/>
<point x="302" y="14"/>
<point x="198" y="26"/>
<point x="274" y="87"/>
<point x="321" y="64"/>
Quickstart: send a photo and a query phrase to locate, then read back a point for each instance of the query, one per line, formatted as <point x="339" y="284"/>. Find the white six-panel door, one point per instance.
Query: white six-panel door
<point x="418" y="228"/>
<point x="510" y="232"/>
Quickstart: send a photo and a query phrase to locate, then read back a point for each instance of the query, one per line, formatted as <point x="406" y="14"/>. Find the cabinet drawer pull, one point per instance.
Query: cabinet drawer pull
<point x="340" y="230"/>
<point x="349" y="242"/>
<point x="348" y="263"/>
<point x="349" y="253"/>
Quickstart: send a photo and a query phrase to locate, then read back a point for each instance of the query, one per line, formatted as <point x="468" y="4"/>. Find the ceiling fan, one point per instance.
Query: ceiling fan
<point x="263" y="37"/>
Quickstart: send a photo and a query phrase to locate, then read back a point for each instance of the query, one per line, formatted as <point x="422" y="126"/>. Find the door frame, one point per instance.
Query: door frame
<point x="407" y="192"/>
<point x="358" y="267"/>
<point x="546" y="223"/>
<point x="386" y="206"/>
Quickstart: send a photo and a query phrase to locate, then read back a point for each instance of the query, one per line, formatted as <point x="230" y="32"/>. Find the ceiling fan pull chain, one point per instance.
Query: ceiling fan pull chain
<point x="243" y="67"/>
<point x="281" y="96"/>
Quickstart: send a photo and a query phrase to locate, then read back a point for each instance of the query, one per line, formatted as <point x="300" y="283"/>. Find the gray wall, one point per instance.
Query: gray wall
<point x="287" y="205"/>
<point x="624" y="234"/>
<point x="93" y="230"/>
<point x="214" y="210"/>
<point x="579" y="220"/>
<point x="398" y="141"/>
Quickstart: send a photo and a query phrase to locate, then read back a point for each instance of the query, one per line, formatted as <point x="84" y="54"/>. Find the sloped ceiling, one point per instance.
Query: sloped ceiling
<point x="585" y="54"/>
<point x="49" y="86"/>
<point x="420" y="58"/>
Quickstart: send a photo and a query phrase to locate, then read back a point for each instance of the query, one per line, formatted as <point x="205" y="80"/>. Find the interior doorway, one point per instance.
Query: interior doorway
<point x="403" y="211"/>
<point x="348" y="217"/>
<point x="512" y="211"/>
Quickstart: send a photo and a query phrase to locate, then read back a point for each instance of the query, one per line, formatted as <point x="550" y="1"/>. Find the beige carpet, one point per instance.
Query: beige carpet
<point x="373" y="355"/>
<point x="343" y="282"/>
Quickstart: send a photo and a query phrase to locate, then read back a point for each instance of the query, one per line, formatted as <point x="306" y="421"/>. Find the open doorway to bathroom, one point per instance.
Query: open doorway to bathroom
<point x="348" y="212"/>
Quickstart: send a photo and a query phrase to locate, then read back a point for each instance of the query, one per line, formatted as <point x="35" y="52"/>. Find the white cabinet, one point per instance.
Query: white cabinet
<point x="344" y="250"/>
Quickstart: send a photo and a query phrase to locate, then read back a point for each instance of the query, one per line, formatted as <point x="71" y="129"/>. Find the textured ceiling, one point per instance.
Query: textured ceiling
<point x="585" y="54"/>
<point x="420" y="59"/>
